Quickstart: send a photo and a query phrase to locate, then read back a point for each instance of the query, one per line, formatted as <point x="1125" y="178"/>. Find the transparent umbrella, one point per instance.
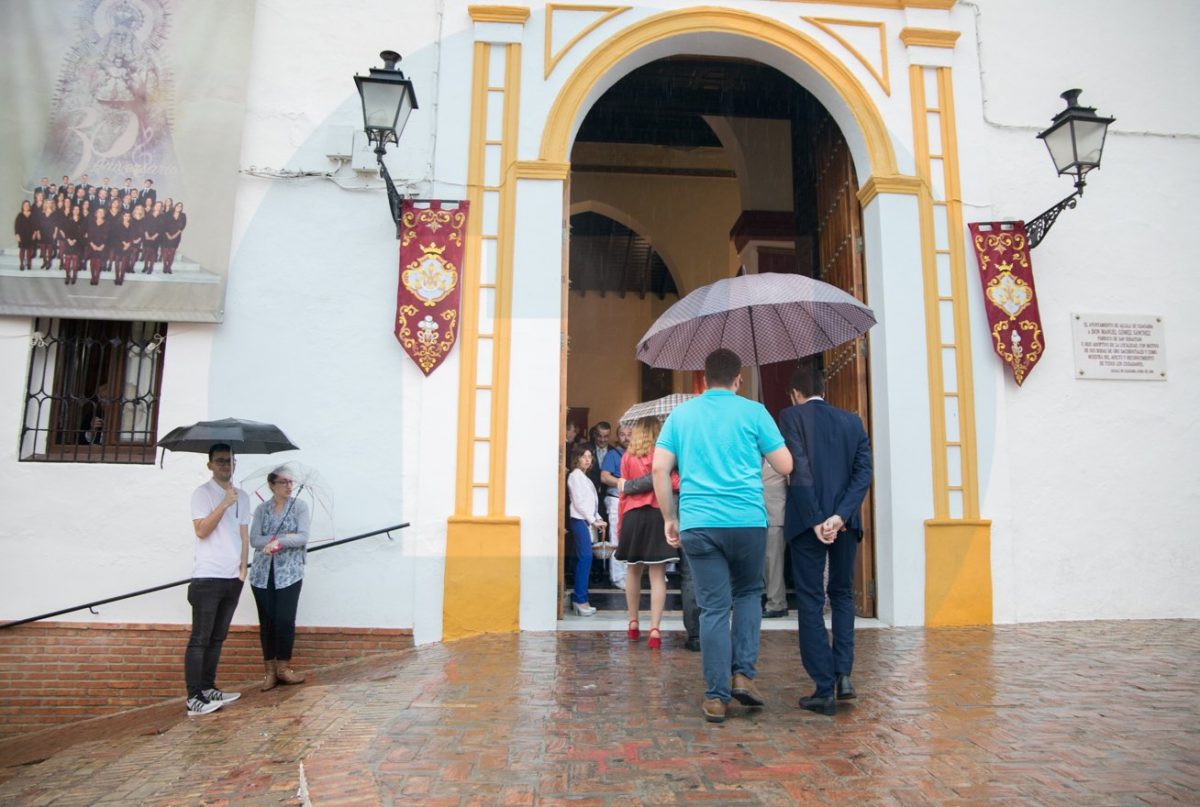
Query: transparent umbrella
<point x="310" y="487"/>
<point x="658" y="408"/>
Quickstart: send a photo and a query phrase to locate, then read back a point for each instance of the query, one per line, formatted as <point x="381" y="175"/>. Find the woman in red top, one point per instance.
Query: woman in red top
<point x="643" y="542"/>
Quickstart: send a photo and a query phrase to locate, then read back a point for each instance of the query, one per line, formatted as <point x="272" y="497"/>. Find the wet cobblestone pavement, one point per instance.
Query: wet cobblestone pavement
<point x="1093" y="713"/>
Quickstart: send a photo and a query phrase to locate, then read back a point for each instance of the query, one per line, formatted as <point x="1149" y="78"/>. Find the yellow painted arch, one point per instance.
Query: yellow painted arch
<point x="557" y="134"/>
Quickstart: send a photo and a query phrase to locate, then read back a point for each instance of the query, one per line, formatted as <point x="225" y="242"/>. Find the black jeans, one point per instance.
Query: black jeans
<point x="687" y="593"/>
<point x="277" y="617"/>
<point x="213" y="599"/>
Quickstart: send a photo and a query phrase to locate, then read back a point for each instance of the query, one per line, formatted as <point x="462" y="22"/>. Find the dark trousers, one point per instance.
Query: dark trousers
<point x="687" y="593"/>
<point x="213" y="599"/>
<point x="820" y="660"/>
<point x="277" y="617"/>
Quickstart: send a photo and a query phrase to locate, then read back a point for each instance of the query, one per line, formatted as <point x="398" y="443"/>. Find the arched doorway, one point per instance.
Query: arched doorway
<point x="933" y="547"/>
<point x="731" y="166"/>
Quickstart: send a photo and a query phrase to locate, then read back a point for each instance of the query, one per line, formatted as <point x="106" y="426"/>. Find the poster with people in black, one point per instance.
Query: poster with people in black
<point x="108" y="233"/>
<point x="123" y="213"/>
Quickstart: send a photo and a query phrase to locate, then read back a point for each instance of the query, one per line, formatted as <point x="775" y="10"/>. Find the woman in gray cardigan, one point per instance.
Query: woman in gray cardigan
<point x="278" y="533"/>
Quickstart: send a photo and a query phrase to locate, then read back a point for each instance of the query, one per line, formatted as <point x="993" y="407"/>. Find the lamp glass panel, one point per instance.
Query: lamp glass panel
<point x="406" y="108"/>
<point x="1061" y="146"/>
<point x="382" y="102"/>
<point x="1089" y="142"/>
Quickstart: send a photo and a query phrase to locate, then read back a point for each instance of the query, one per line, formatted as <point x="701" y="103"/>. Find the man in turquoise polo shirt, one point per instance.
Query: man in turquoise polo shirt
<point x="718" y="441"/>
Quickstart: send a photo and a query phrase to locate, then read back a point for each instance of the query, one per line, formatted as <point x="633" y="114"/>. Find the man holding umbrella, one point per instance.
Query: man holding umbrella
<point x="221" y="518"/>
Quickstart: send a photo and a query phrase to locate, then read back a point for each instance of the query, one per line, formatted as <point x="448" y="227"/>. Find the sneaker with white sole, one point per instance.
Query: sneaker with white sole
<point x="199" y="705"/>
<point x="221" y="697"/>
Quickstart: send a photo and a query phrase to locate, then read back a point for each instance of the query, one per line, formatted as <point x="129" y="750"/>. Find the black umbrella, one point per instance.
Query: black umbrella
<point x="243" y="436"/>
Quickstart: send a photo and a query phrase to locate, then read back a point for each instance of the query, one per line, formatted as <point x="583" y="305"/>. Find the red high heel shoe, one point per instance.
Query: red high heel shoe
<point x="634" y="633"/>
<point x="655" y="640"/>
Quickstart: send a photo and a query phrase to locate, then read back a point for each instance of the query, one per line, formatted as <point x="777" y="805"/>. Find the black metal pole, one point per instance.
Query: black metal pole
<point x="131" y="594"/>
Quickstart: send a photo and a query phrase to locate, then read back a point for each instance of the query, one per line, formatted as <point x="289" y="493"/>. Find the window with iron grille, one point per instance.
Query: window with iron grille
<point x="93" y="391"/>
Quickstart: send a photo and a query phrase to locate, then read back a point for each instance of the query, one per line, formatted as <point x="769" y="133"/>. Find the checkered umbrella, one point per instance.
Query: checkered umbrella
<point x="763" y="318"/>
<point x="658" y="408"/>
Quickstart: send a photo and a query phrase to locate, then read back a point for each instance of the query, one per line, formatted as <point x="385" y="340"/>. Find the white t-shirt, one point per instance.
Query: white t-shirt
<point x="220" y="554"/>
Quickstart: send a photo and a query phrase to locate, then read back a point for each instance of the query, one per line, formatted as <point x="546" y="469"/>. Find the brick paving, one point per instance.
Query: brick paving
<point x="1100" y="713"/>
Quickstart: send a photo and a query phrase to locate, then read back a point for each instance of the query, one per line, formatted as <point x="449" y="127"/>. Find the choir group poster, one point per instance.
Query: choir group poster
<point x="120" y="135"/>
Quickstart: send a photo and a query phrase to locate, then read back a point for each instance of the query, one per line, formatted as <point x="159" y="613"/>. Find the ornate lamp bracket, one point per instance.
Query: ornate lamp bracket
<point x="1037" y="229"/>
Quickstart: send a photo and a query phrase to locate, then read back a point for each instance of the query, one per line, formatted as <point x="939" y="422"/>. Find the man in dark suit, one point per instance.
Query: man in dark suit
<point x="147" y="192"/>
<point x="831" y="474"/>
<point x="598" y="444"/>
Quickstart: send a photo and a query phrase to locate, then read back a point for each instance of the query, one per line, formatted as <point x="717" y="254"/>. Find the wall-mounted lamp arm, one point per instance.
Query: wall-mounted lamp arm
<point x="395" y="200"/>
<point x="1037" y="228"/>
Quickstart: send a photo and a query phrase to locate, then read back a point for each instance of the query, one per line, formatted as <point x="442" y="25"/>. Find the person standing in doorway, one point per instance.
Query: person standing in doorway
<point x="642" y="542"/>
<point x="610" y="477"/>
<point x="687" y="587"/>
<point x="832" y="459"/>
<point x="718" y="441"/>
<point x="220" y="519"/>
<point x="598" y="443"/>
<point x="774" y="584"/>
<point x="584" y="516"/>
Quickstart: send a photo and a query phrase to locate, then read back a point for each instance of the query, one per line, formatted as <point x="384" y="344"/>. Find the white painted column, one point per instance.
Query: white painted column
<point x="900" y="405"/>
<point x="534" y="394"/>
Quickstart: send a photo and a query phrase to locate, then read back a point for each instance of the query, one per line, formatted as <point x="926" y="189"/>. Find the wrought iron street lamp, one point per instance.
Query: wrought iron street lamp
<point x="387" y="99"/>
<point x="1075" y="140"/>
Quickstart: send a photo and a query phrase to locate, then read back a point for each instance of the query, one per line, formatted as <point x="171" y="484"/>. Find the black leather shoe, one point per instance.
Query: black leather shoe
<point x="843" y="688"/>
<point x="693" y="645"/>
<point x="814" y="703"/>
<point x="767" y="614"/>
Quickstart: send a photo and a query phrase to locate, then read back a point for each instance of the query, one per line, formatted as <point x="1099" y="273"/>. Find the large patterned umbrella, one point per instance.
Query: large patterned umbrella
<point x="763" y="318"/>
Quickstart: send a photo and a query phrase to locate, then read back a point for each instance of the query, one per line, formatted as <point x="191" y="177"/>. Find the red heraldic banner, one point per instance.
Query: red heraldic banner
<point x="1002" y="248"/>
<point x="431" y="252"/>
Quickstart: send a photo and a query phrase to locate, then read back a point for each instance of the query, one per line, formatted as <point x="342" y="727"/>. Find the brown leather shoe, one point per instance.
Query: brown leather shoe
<point x="714" y="710"/>
<point x="269" y="680"/>
<point x="286" y="675"/>
<point x="745" y="692"/>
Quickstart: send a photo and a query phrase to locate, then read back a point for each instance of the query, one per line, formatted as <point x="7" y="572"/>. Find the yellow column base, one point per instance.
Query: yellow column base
<point x="483" y="576"/>
<point x="958" y="572"/>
